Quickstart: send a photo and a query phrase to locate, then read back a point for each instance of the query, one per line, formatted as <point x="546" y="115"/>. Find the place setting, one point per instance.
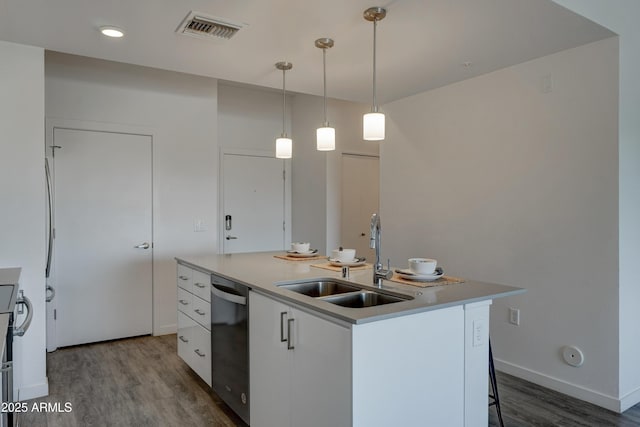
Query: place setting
<point x="343" y="257"/>
<point x="423" y="272"/>
<point x="301" y="251"/>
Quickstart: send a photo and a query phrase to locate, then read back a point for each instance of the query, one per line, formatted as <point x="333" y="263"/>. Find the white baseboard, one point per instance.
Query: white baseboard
<point x="165" y="330"/>
<point x="629" y="400"/>
<point x="608" y="402"/>
<point x="32" y="391"/>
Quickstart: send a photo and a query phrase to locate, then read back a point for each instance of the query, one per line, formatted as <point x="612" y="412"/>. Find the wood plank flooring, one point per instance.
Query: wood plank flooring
<point x="132" y="382"/>
<point x="142" y="382"/>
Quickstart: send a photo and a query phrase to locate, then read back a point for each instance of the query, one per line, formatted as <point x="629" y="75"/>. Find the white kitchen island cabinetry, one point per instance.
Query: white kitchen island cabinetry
<point x="194" y="320"/>
<point x="300" y="367"/>
<point x="407" y="370"/>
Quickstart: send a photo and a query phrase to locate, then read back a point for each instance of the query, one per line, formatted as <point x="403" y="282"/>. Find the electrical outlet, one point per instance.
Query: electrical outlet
<point x="514" y="316"/>
<point x="199" y="225"/>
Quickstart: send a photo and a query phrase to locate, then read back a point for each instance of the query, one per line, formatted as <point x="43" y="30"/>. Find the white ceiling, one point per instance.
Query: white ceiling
<point x="422" y="44"/>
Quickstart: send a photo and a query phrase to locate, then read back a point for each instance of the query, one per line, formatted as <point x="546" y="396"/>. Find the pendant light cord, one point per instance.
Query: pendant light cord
<point x="324" y="79"/>
<point x="375" y="102"/>
<point x="284" y="105"/>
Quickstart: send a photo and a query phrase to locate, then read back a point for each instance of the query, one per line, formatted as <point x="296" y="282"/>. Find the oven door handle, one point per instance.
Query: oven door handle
<point x="20" y="330"/>
<point x="236" y="299"/>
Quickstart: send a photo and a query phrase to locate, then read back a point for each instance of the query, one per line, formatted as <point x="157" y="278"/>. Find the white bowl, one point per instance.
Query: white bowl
<point x="300" y="247"/>
<point x="422" y="265"/>
<point x="344" y="255"/>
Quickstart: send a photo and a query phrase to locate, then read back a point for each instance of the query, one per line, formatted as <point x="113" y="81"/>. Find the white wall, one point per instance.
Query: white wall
<point x="22" y="216"/>
<point x="181" y="112"/>
<point x="316" y="175"/>
<point x="621" y="16"/>
<point x="502" y="182"/>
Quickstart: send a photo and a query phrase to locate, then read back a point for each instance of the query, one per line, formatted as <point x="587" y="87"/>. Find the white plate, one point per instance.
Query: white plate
<point x="354" y="263"/>
<point x="312" y="252"/>
<point x="408" y="275"/>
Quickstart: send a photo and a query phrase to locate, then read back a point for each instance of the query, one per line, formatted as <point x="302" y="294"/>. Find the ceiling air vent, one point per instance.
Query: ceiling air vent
<point x="199" y="25"/>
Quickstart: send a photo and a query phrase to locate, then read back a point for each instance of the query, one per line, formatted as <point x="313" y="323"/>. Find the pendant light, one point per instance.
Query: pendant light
<point x="373" y="122"/>
<point x="284" y="144"/>
<point x="325" y="135"/>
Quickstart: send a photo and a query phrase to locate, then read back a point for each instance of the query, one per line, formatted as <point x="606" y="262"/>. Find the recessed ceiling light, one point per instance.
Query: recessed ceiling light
<point x="110" y="31"/>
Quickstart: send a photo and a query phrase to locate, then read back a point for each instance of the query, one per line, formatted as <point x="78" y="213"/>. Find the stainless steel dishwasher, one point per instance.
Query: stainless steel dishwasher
<point x="230" y="343"/>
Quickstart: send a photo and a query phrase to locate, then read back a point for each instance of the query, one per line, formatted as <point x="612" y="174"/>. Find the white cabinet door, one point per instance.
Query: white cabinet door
<point x="304" y="386"/>
<point x="321" y="372"/>
<point x="268" y="362"/>
<point x="186" y="325"/>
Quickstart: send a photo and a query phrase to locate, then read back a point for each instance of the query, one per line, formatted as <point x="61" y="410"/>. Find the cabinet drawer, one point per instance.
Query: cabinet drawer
<point x="202" y="353"/>
<point x="186" y="327"/>
<point x="185" y="277"/>
<point x="201" y="285"/>
<point x="185" y="301"/>
<point x="201" y="312"/>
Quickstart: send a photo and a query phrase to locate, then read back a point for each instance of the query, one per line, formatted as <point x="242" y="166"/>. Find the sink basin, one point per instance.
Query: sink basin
<point x="363" y="299"/>
<point x="320" y="288"/>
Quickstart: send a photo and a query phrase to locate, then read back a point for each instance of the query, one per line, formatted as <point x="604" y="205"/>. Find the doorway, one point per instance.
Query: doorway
<point x="103" y="243"/>
<point x="255" y="208"/>
<point x="360" y="199"/>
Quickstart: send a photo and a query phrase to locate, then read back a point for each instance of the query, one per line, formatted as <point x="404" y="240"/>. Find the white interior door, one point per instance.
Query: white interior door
<point x="254" y="209"/>
<point x="360" y="199"/>
<point x="103" y="224"/>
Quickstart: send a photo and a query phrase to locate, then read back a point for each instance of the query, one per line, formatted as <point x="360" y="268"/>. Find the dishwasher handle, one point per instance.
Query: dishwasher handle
<point x="236" y="299"/>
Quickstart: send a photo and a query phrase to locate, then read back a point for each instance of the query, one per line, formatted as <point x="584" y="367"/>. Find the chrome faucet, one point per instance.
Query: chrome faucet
<point x="379" y="272"/>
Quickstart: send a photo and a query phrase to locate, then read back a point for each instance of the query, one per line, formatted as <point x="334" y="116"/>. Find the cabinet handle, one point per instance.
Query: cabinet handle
<point x="200" y="285"/>
<point x="183" y="339"/>
<point x="183" y="302"/>
<point x="282" y="315"/>
<point x="290" y="342"/>
<point x="198" y="311"/>
<point x="183" y="278"/>
<point x="197" y="351"/>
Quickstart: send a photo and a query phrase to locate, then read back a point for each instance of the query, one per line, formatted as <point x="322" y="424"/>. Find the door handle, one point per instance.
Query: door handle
<point x="290" y="345"/>
<point x="52" y="295"/>
<point x="144" y="245"/>
<point x="231" y="237"/>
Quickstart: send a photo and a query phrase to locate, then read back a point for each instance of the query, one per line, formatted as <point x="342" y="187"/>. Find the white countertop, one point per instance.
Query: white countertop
<point x="262" y="271"/>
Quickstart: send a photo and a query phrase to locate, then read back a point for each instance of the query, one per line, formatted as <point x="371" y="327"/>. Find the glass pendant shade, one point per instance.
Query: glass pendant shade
<point x="373" y="127"/>
<point x="326" y="139"/>
<point x="284" y="148"/>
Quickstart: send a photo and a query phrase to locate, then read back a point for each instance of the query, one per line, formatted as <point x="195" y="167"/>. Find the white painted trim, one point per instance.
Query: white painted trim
<point x="630" y="399"/>
<point x="611" y="403"/>
<point x="165" y="329"/>
<point x="32" y="392"/>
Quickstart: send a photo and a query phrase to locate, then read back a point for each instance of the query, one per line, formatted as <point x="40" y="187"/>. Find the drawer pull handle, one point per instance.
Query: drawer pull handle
<point x="183" y="278"/>
<point x="290" y="341"/>
<point x="197" y="351"/>
<point x="183" y="339"/>
<point x="200" y="285"/>
<point x="200" y="312"/>
<point x="183" y="302"/>
<point x="282" y="337"/>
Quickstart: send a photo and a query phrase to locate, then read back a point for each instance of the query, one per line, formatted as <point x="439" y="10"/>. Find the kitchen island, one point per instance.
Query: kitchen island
<point x="420" y="361"/>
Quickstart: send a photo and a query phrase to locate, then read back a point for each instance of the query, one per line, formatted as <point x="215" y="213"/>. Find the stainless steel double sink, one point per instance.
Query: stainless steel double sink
<point x="343" y="293"/>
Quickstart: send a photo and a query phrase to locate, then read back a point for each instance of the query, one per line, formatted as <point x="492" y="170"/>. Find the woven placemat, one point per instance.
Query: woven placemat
<point x="444" y="280"/>
<point x="329" y="266"/>
<point x="295" y="258"/>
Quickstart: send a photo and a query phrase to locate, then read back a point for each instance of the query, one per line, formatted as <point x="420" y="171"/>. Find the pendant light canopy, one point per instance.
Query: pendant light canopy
<point x="284" y="144"/>
<point x="325" y="135"/>
<point x="373" y="122"/>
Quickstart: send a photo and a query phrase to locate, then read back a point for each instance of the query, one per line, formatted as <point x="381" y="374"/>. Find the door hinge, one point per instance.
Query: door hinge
<point x="284" y="228"/>
<point x="53" y="232"/>
<point x="55" y="314"/>
<point x="284" y="175"/>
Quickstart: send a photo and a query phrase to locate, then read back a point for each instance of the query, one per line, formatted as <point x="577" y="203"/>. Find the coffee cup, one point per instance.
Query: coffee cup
<point x="422" y="265"/>
<point x="300" y="247"/>
<point x="343" y="255"/>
